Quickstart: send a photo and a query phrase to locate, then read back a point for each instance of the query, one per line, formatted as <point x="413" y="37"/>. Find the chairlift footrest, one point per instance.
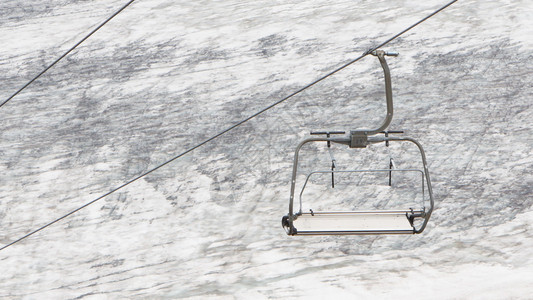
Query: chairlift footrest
<point x="353" y="223"/>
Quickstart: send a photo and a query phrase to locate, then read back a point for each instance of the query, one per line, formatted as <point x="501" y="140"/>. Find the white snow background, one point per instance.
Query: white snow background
<point x="165" y="75"/>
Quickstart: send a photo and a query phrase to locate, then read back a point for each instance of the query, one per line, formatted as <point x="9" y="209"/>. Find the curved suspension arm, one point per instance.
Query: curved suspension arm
<point x="388" y="93"/>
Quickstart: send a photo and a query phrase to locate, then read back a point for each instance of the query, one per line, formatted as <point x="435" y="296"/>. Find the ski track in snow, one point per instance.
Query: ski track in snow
<point x="165" y="75"/>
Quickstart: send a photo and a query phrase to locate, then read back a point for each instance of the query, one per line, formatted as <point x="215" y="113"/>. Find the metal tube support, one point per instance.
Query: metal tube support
<point x="340" y="140"/>
<point x="426" y="172"/>
<point x="388" y="94"/>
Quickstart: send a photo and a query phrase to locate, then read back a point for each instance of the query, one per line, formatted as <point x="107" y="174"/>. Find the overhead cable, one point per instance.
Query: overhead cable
<point x="66" y="53"/>
<point x="228" y="129"/>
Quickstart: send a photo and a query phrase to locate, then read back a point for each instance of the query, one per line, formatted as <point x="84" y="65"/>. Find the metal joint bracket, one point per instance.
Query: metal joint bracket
<point x="358" y="139"/>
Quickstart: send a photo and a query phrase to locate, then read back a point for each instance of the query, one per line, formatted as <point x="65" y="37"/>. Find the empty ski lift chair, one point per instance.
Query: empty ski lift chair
<point x="360" y="222"/>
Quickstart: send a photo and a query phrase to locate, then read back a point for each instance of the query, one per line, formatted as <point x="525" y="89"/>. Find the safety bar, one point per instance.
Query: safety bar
<point x="345" y="140"/>
<point x="388" y="93"/>
<point x="362" y="171"/>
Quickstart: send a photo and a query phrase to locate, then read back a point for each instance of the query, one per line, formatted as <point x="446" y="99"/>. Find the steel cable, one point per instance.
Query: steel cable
<point x="66" y="53"/>
<point x="229" y="128"/>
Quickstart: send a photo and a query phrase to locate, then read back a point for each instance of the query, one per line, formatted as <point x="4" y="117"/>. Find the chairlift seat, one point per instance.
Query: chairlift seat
<point x="353" y="223"/>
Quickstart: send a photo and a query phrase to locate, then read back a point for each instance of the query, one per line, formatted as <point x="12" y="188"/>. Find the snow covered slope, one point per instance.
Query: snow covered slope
<point x="165" y="75"/>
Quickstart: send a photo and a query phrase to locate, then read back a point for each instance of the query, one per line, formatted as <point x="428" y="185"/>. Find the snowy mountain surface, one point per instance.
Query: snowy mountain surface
<point x="163" y="76"/>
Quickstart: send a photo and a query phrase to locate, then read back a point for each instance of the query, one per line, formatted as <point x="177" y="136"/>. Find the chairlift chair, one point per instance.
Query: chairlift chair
<point x="405" y="221"/>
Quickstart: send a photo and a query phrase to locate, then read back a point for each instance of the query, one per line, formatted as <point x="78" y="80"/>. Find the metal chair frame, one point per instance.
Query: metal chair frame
<point x="361" y="222"/>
